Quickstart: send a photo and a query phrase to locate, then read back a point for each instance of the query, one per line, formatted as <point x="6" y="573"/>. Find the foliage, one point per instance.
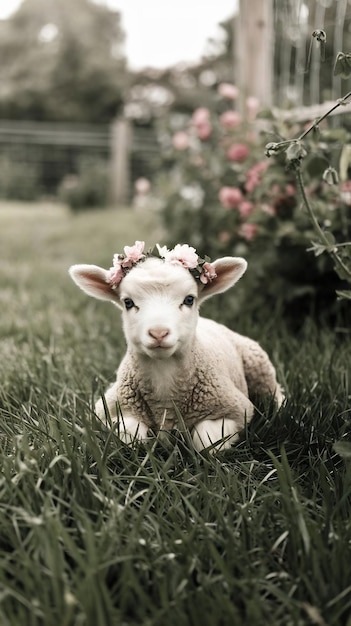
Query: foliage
<point x="95" y="532"/>
<point x="223" y="195"/>
<point x="57" y="66"/>
<point x="18" y="180"/>
<point x="295" y="152"/>
<point x="88" y="188"/>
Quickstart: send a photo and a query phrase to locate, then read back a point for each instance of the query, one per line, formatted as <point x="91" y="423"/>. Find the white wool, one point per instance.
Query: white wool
<point x="177" y="362"/>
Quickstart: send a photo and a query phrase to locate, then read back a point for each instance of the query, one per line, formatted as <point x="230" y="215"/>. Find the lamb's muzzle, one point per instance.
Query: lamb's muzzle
<point x="159" y="333"/>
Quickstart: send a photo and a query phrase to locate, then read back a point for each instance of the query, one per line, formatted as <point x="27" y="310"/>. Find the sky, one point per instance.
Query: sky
<point x="160" y="33"/>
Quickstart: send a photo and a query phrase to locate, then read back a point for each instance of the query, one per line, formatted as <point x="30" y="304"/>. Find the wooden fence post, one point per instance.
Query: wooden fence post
<point x="253" y="53"/>
<point x="121" y="139"/>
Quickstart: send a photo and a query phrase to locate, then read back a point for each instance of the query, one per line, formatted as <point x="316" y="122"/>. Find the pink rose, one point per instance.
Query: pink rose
<point x="208" y="273"/>
<point x="248" y="231"/>
<point x="229" y="91"/>
<point x="182" y="255"/>
<point x="245" y="209"/>
<point x="198" y="161"/>
<point x="252" y="182"/>
<point x="346" y="186"/>
<point x="253" y="176"/>
<point x="345" y="192"/>
<point x="259" y="167"/>
<point x="230" y="197"/>
<point x="290" y="190"/>
<point x="224" y="236"/>
<point x="200" y="116"/>
<point x="142" y="186"/>
<point x="268" y="209"/>
<point x="230" y="119"/>
<point x="252" y="107"/>
<point x="204" y="131"/>
<point x="180" y="140"/>
<point x="238" y="152"/>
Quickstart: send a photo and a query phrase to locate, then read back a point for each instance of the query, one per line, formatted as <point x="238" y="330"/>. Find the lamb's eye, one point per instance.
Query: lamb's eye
<point x="128" y="303"/>
<point x="189" y="300"/>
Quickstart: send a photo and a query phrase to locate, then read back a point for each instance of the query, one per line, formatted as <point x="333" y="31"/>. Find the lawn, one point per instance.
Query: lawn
<point x="96" y="533"/>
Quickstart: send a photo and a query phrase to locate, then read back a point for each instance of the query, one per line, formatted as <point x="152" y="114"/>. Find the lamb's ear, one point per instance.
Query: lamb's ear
<point x="94" y="281"/>
<point x="228" y="269"/>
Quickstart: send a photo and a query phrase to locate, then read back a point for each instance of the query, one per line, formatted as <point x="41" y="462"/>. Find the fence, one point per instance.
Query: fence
<point x="36" y="157"/>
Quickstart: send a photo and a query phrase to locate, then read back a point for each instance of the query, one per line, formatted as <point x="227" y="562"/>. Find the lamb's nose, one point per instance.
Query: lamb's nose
<point x="159" y="333"/>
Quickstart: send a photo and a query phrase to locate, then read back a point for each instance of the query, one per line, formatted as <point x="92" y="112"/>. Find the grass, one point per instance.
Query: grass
<point x="96" y="533"/>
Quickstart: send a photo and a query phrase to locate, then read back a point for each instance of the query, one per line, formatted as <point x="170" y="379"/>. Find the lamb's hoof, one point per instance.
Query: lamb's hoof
<point x="130" y="429"/>
<point x="214" y="435"/>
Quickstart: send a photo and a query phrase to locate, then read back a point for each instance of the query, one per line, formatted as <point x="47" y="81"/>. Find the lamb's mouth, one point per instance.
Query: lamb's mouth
<point x="161" y="349"/>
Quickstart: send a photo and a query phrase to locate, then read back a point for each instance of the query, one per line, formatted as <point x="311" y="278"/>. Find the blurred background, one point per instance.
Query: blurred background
<point x="165" y="108"/>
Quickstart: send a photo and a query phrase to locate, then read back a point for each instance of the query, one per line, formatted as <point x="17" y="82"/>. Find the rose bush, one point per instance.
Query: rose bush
<point x="221" y="194"/>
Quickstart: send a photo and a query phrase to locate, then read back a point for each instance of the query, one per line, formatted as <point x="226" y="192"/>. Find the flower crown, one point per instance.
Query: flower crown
<point x="184" y="255"/>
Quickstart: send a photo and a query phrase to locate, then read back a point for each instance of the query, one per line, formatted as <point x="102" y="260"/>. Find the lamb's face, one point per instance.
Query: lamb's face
<point x="160" y="308"/>
<point x="159" y="300"/>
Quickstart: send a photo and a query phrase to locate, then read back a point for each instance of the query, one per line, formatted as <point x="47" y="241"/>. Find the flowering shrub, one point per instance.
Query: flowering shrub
<point x="86" y="189"/>
<point x="295" y="151"/>
<point x="223" y="195"/>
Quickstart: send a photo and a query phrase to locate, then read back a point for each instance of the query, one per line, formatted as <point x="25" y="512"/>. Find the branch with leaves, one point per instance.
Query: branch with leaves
<point x="295" y="151"/>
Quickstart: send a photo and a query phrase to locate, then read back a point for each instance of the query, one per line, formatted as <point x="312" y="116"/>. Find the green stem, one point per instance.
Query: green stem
<point x="340" y="102"/>
<point x="332" y="250"/>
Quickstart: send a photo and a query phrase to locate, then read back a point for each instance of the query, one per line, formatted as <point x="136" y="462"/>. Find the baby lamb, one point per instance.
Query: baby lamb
<point x="177" y="362"/>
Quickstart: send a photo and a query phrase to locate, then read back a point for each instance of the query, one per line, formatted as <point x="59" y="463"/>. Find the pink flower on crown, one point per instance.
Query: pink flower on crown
<point x="208" y="273"/>
<point x="133" y="254"/>
<point x="183" y="255"/>
<point x="116" y="272"/>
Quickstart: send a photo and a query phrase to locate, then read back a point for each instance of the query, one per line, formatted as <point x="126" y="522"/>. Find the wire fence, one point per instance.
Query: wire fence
<point x="41" y="159"/>
<point x="37" y="158"/>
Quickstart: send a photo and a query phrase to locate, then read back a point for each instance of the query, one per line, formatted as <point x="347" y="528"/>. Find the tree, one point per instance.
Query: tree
<point x="62" y="60"/>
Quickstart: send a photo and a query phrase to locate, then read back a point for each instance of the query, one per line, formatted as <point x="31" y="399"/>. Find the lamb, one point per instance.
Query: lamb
<point x="176" y="361"/>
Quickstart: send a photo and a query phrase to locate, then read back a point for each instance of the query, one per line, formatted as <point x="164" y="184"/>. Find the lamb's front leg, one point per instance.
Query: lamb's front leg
<point x="129" y="426"/>
<point x="228" y="420"/>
